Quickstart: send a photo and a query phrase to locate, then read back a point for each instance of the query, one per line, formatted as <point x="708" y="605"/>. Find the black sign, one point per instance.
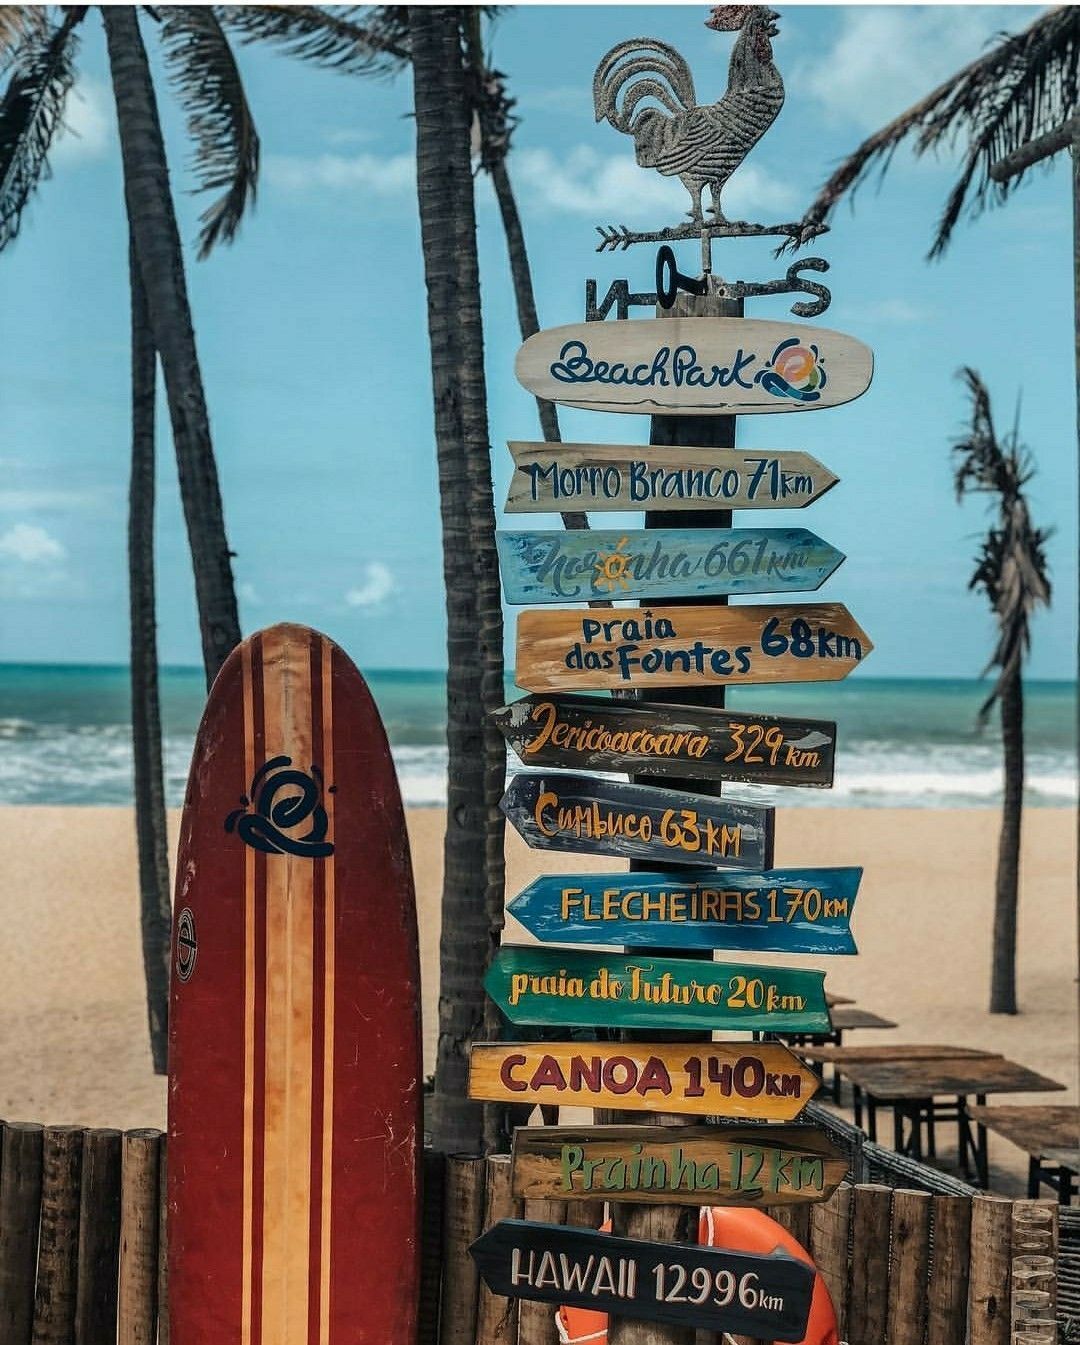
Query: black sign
<point x="763" y="1296"/>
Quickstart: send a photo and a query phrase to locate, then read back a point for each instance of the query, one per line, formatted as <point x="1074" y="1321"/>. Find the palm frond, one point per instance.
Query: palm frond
<point x="1024" y="86"/>
<point x="17" y="23"/>
<point x="203" y="69"/>
<point x="331" y="38"/>
<point x="31" y="113"/>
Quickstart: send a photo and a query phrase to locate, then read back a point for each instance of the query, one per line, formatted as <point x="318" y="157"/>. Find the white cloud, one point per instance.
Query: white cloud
<point x="88" y="122"/>
<point x="394" y="175"/>
<point x="375" y="586"/>
<point x="247" y="592"/>
<point x="27" y="544"/>
<point x="886" y="57"/>
<point x="614" y="189"/>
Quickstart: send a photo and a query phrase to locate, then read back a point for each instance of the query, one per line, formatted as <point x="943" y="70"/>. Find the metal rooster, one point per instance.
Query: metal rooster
<point x="702" y="146"/>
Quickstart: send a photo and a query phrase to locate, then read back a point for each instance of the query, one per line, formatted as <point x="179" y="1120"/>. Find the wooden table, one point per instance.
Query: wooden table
<point x="837" y="1055"/>
<point x="912" y="1088"/>
<point x="832" y="999"/>
<point x="1049" y="1135"/>
<point x="844" y="1018"/>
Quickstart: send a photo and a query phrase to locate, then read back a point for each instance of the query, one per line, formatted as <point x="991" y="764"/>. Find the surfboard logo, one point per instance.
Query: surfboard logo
<point x="187" y="946"/>
<point x="281" y="799"/>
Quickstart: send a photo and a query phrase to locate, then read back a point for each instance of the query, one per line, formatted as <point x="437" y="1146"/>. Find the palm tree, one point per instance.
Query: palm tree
<point x="1021" y="90"/>
<point x="1011" y="569"/>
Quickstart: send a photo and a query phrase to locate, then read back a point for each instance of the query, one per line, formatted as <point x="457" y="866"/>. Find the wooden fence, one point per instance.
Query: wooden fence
<point x="82" y="1252"/>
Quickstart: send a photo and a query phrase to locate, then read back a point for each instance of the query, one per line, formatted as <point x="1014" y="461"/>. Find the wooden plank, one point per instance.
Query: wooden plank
<point x="139" y="1237"/>
<point x="846" y="1018"/>
<point x="888" y="1079"/>
<point x="58" y="1245"/>
<point x="496" y="1313"/>
<point x="830" y="1225"/>
<point x="782" y="910"/>
<point x="724" y="1290"/>
<point x="586" y="815"/>
<point x="910" y="1261"/>
<point x="795" y="1218"/>
<point x="536" y="1321"/>
<point x="21" y="1145"/>
<point x="891" y="1051"/>
<point x="990" y="1266"/>
<point x="464" y="1222"/>
<point x="868" y="1287"/>
<point x="946" y="1299"/>
<point x="562" y="987"/>
<point x="99" y="1239"/>
<point x="689" y="366"/>
<point x="551" y="566"/>
<point x="737" y="1079"/>
<point x="594" y="733"/>
<point x="685" y="1165"/>
<point x="687" y="646"/>
<point x="601" y="478"/>
<point x="1035" y="1129"/>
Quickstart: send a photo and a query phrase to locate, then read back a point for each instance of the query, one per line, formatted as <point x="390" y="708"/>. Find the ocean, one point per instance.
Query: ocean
<point x="65" y="737"/>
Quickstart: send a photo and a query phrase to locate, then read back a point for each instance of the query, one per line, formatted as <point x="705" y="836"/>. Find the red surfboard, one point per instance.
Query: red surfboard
<point x="294" y="1038"/>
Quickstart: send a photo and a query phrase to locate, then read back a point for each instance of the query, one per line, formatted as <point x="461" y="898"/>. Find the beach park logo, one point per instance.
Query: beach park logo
<point x="187" y="946"/>
<point x="281" y="800"/>
<point x="795" y="371"/>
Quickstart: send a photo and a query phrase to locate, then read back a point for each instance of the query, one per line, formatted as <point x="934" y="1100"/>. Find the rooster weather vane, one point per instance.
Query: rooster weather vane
<point x="643" y="87"/>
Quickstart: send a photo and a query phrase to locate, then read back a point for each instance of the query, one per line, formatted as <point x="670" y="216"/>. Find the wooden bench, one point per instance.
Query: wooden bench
<point x="1049" y="1135"/>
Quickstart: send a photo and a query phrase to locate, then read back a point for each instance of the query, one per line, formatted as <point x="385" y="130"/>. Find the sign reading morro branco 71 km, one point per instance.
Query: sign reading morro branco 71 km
<point x="587" y="815"/>
<point x="706" y="1287"/>
<point x="564" y="988"/>
<point x="685" y="366"/>
<point x="556" y="566"/>
<point x="677" y="1165"/>
<point x="679" y="740"/>
<point x="781" y="911"/>
<point x="599" y="477"/>
<point x="760" y="1080"/>
<point x="687" y="646"/>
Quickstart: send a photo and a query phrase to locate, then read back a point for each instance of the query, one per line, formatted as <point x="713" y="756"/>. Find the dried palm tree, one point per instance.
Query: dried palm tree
<point x="1011" y="569"/>
<point x="1023" y="89"/>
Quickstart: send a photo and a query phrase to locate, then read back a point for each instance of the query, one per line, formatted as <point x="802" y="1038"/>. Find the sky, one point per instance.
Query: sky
<point x="313" y="341"/>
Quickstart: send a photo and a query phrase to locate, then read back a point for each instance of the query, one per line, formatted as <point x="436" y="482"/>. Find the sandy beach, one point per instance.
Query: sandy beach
<point x="73" y="1042"/>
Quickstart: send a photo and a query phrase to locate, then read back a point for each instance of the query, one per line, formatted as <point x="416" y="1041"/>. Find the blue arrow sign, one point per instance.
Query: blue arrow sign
<point x="555" y="566"/>
<point x="774" y="911"/>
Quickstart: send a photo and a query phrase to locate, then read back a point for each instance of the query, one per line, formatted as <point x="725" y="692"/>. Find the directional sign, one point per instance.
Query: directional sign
<point x="595" y="733"/>
<point x="745" y="1080"/>
<point x="690" y="366"/>
<point x="606" y="477"/>
<point x="716" y="1290"/>
<point x="558" y="987"/>
<point x="781" y="911"/>
<point x="677" y="1165"/>
<point x="603" y="817"/>
<point x="558" y="566"/>
<point x="687" y="646"/>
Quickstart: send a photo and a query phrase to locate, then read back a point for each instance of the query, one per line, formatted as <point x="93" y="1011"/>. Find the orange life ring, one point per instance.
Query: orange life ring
<point x="739" y="1230"/>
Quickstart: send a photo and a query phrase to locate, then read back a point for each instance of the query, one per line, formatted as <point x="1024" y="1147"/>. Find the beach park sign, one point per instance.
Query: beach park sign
<point x="691" y="366"/>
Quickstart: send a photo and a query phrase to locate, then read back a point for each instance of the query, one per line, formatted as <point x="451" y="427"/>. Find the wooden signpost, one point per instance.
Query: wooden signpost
<point x="588" y="815"/>
<point x="765" y="1296"/>
<point x="782" y="911"/>
<point x="677" y="1165"/>
<point x="595" y="733"/>
<point x="686" y="366"/>
<point x="554" y="566"/>
<point x="564" y="988"/>
<point x="744" y="1080"/>
<point x="687" y="646"/>
<point x="606" y="477"/>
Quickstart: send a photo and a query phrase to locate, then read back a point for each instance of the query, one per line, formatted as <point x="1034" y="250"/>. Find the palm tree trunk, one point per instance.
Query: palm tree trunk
<point x="150" y="825"/>
<point x="152" y="220"/>
<point x="1003" y="967"/>
<point x="472" y="900"/>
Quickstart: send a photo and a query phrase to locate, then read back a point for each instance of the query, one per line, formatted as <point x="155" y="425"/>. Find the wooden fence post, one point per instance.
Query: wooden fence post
<point x="99" y="1239"/>
<point x="908" y="1266"/>
<point x="830" y="1224"/>
<point x="464" y="1218"/>
<point x="869" y="1285"/>
<point x="989" y="1288"/>
<point x="536" y="1321"/>
<point x="58" y="1244"/>
<point x="497" y="1317"/>
<point x="139" y="1217"/>
<point x="163" y="1244"/>
<point x="946" y="1311"/>
<point x="20" y="1210"/>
